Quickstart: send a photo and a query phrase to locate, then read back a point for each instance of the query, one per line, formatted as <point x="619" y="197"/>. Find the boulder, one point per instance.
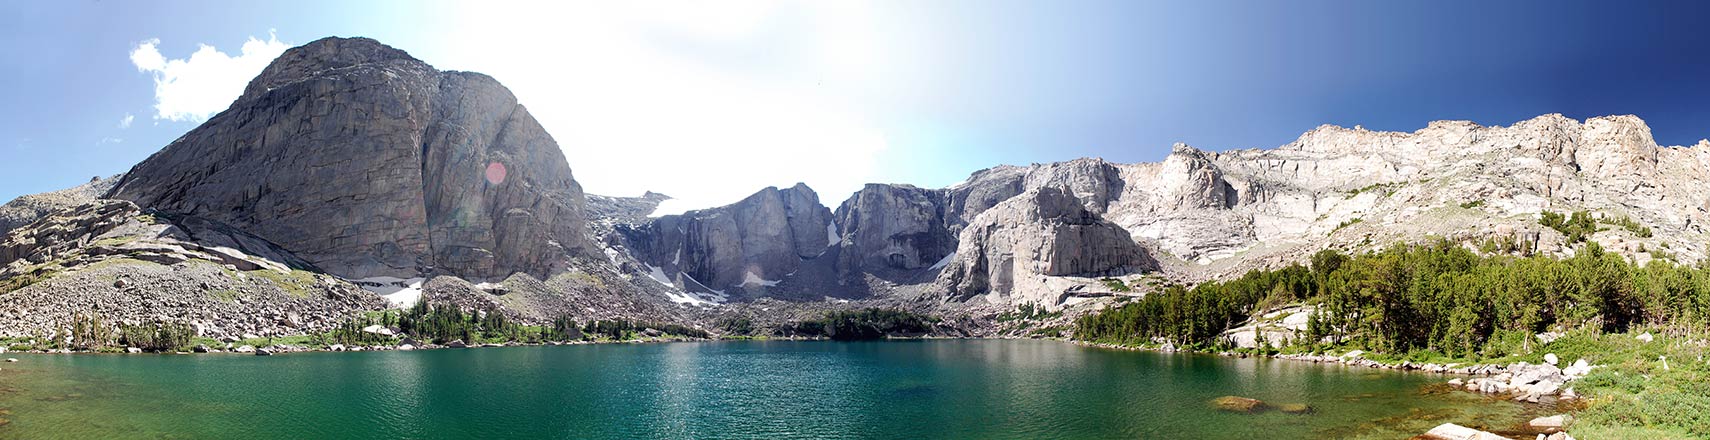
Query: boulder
<point x="1296" y="408"/>
<point x="335" y="347"/>
<point x="456" y="343"/>
<point x="1549" y="424"/>
<point x="200" y="348"/>
<point x="1450" y="431"/>
<point x="133" y="350"/>
<point x="264" y="351"/>
<point x="245" y="349"/>
<point x="1645" y="337"/>
<point x="1550" y="358"/>
<point x="1239" y="404"/>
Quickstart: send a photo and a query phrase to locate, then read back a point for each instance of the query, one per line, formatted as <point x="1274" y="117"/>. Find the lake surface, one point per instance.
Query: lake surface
<point x="974" y="389"/>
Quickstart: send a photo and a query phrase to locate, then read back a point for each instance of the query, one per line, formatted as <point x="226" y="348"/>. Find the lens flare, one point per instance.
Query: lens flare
<point x="495" y="173"/>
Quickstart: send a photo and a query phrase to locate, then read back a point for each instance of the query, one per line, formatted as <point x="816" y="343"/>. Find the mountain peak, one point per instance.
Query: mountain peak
<point x="321" y="56"/>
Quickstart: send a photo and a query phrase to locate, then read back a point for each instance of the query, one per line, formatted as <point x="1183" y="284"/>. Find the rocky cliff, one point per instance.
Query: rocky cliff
<point x="367" y="162"/>
<point x="743" y="247"/>
<point x="1200" y="215"/>
<point x="1012" y="250"/>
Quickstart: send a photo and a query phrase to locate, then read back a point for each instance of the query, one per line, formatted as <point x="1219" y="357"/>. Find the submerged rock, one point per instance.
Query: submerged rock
<point x="1239" y="404"/>
<point x="1296" y="408"/>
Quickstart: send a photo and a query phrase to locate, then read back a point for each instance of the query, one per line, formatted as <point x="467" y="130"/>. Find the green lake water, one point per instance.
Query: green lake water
<point x="974" y="389"/>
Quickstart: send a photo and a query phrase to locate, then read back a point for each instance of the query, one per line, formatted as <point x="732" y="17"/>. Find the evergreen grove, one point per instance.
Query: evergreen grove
<point x="1435" y="298"/>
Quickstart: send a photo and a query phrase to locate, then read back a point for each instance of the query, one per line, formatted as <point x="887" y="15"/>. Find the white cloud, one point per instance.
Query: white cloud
<point x="706" y="102"/>
<point x="197" y="87"/>
<point x="110" y="140"/>
<point x="125" y="122"/>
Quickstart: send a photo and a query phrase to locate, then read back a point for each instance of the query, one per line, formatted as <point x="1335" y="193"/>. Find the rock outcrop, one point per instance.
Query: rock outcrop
<point x="1012" y="249"/>
<point x="367" y="162"/>
<point x="893" y="227"/>
<point x="25" y="209"/>
<point x="109" y="259"/>
<point x="748" y="246"/>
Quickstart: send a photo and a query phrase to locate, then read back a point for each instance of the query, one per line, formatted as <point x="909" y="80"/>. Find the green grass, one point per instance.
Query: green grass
<point x="298" y="283"/>
<point x="1633" y="396"/>
<point x="584" y="278"/>
<point x="29" y="278"/>
<point x="114" y="241"/>
<point x="1116" y="285"/>
<point x="227" y="295"/>
<point x="1473" y="204"/>
<point x="1349" y="222"/>
<point x="1387" y="187"/>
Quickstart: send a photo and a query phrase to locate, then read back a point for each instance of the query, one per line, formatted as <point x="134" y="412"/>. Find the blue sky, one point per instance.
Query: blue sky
<point x="709" y="101"/>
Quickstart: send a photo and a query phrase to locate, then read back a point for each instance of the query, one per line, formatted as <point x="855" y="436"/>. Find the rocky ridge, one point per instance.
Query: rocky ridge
<point x="1208" y="215"/>
<point x="26" y="209"/>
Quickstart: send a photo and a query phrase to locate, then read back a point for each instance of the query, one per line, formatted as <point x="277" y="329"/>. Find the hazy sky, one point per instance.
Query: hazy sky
<point x="710" y="101"/>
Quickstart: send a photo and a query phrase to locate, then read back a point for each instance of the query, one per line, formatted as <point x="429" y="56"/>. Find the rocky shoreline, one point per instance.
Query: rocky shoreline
<point x="1527" y="382"/>
<point x="1519" y="381"/>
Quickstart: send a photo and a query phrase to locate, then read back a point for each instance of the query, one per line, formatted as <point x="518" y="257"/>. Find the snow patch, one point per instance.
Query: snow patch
<point x="831" y="237"/>
<point x="677" y="259"/>
<point x="399" y="292"/>
<point x="658" y="274"/>
<point x="697" y="298"/>
<point x="750" y="279"/>
<point x="943" y="261"/>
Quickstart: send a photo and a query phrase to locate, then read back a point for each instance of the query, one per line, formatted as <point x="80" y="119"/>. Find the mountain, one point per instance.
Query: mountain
<point x="368" y="163"/>
<point x="351" y="177"/>
<point x="1200" y="215"/>
<point x="347" y="177"/>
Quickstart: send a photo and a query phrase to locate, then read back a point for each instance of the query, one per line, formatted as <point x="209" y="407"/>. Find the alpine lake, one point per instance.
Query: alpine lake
<point x="901" y="389"/>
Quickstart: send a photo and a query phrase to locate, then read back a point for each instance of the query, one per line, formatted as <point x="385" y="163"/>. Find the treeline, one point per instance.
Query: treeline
<point x="1437" y="297"/>
<point x="89" y="331"/>
<point x="446" y="322"/>
<point x="863" y="324"/>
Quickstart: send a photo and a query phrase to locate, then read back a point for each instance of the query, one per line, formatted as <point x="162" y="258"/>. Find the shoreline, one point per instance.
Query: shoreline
<point x="337" y="348"/>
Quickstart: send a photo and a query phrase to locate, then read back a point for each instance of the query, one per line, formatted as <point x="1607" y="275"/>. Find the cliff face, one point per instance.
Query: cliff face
<point x="746" y="246"/>
<point x="893" y="227"/>
<point x="1009" y="251"/>
<point x="367" y="162"/>
<point x="1203" y="215"/>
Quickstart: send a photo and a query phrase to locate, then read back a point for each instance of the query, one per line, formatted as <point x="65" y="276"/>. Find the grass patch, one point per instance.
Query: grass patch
<point x="1473" y="204"/>
<point x="114" y="241"/>
<point x="1627" y="223"/>
<point x="298" y="283"/>
<point x="36" y="275"/>
<point x="1349" y="222"/>
<point x="584" y="278"/>
<point x="1387" y="188"/>
<point x="1116" y="285"/>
